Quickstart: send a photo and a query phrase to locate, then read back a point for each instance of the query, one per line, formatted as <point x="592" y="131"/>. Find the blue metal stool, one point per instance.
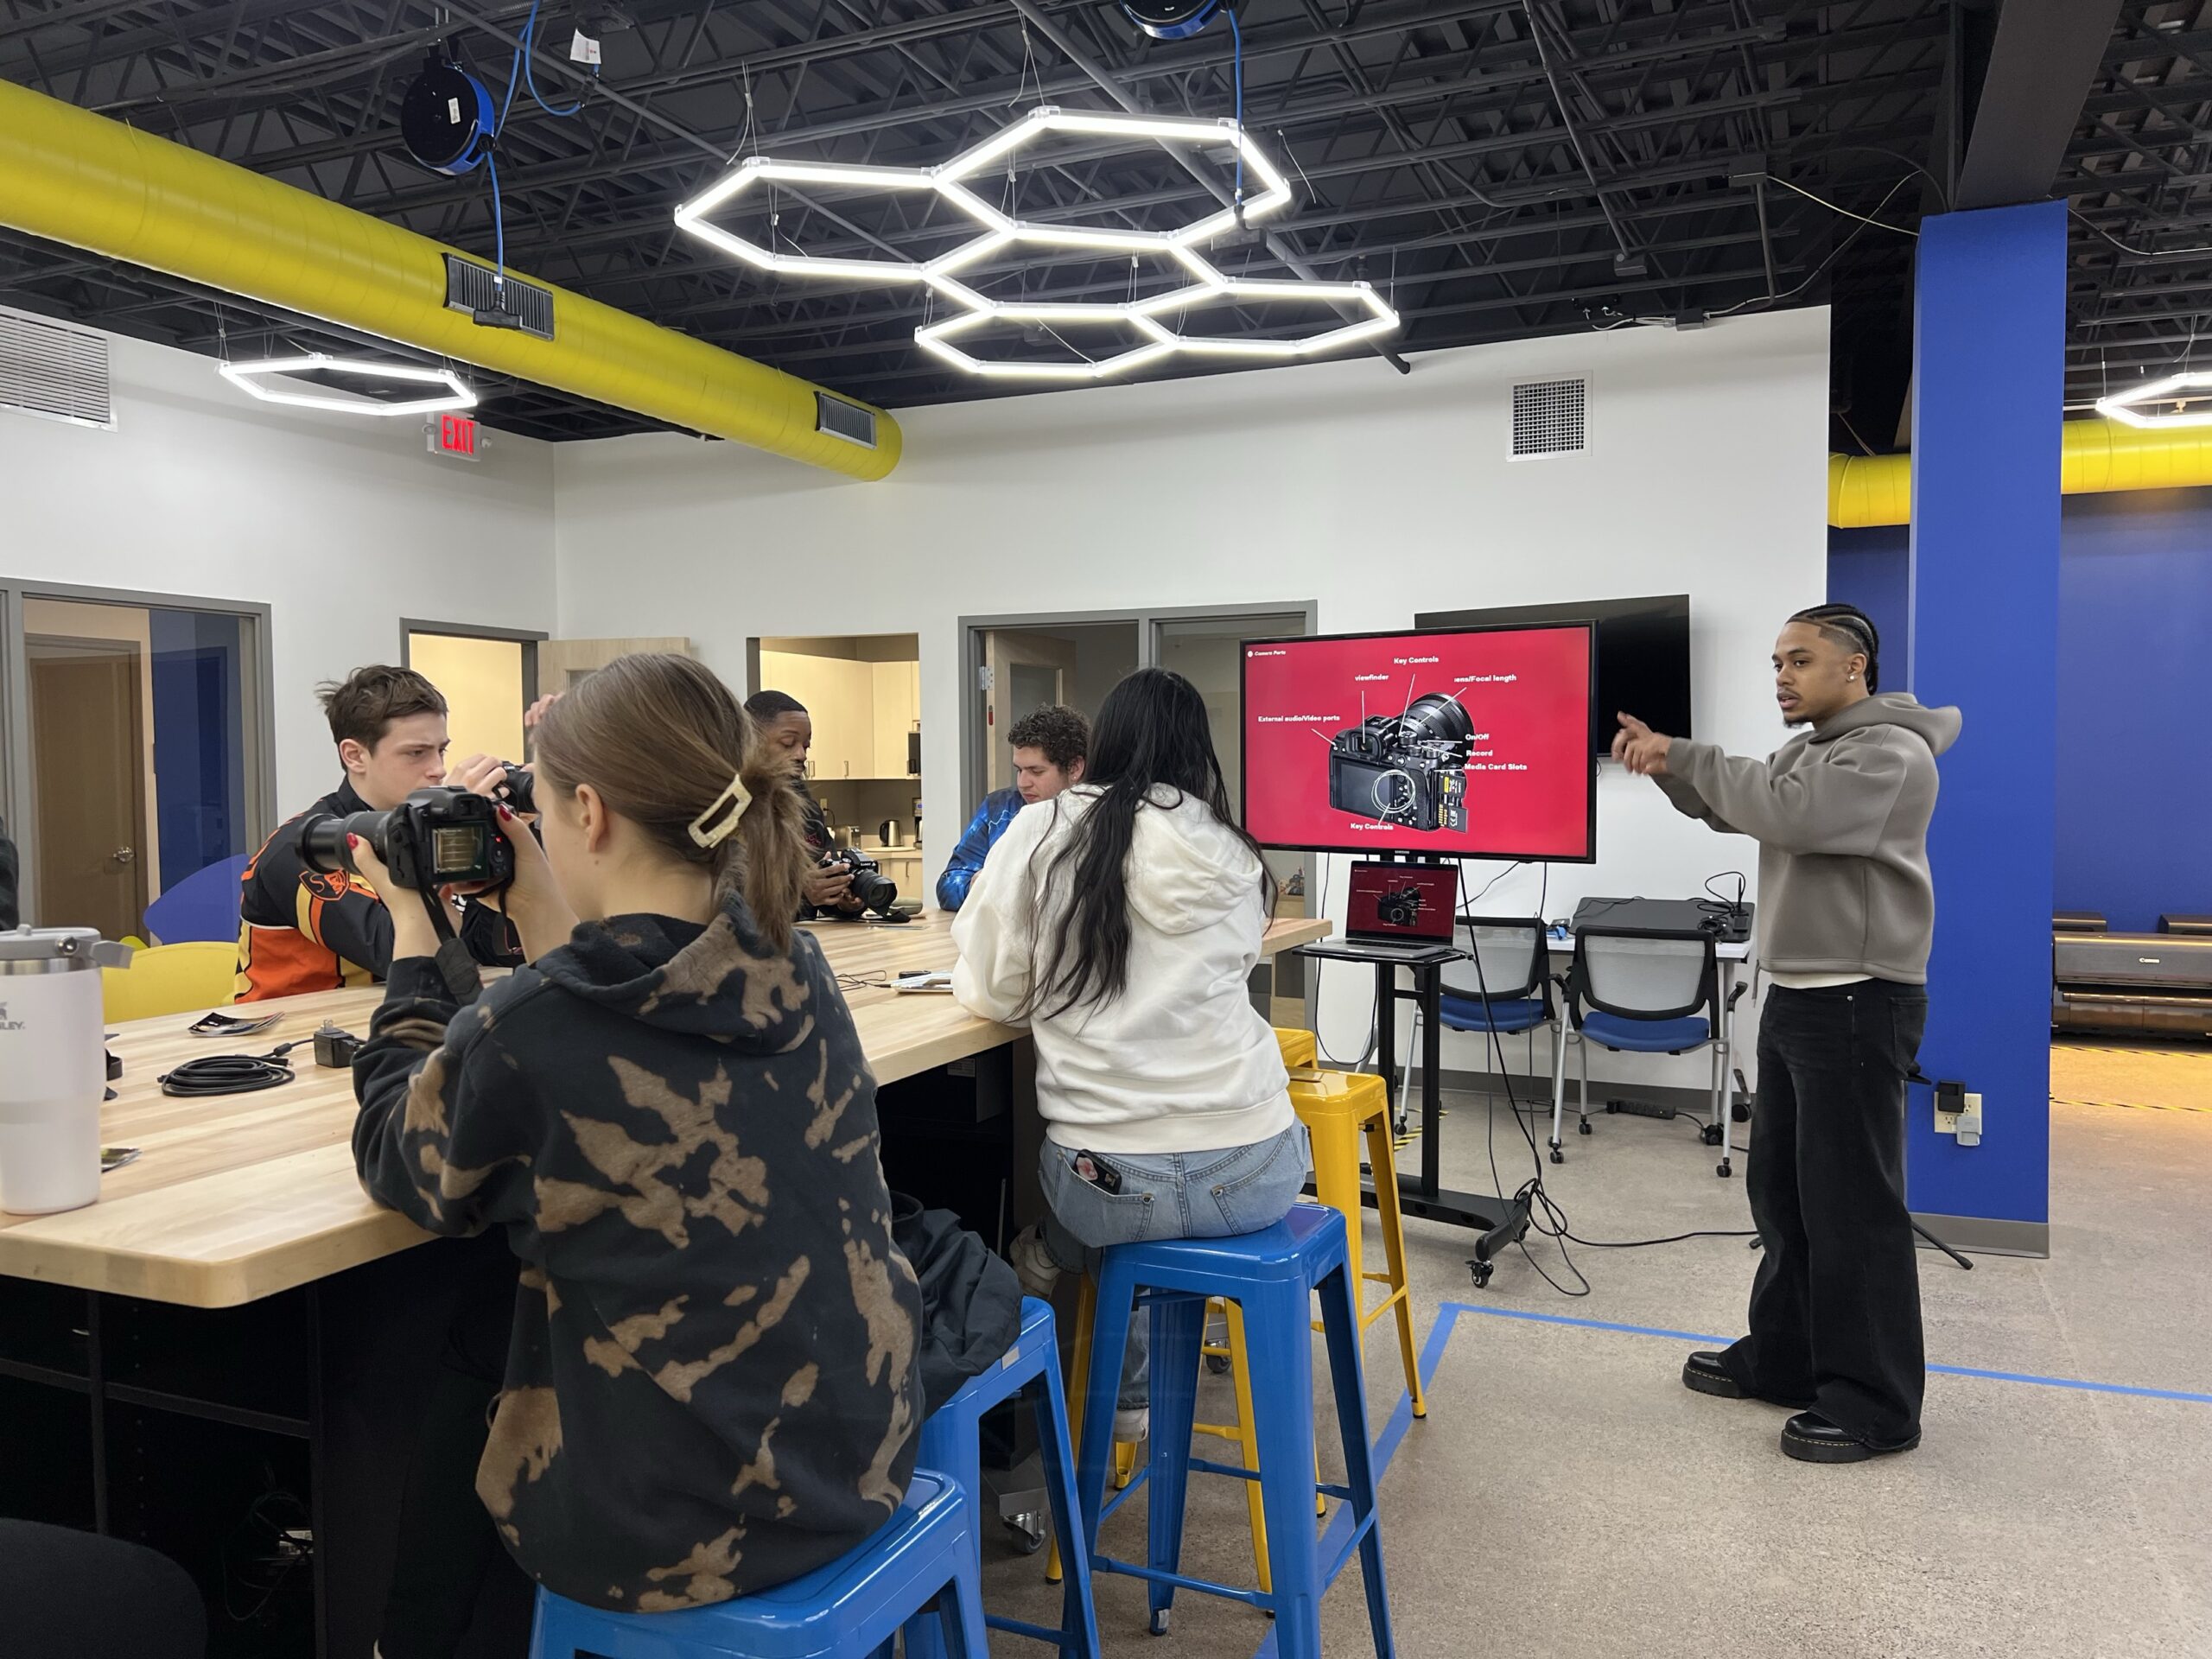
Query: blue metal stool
<point x="854" y="1605"/>
<point x="951" y="1440"/>
<point x="1274" y="1276"/>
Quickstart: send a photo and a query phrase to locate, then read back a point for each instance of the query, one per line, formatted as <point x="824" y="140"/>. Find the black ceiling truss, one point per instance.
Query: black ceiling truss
<point x="1482" y="161"/>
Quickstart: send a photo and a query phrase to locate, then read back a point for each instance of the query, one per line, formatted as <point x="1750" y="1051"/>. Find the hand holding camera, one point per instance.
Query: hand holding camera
<point x="854" y="880"/>
<point x="443" y="841"/>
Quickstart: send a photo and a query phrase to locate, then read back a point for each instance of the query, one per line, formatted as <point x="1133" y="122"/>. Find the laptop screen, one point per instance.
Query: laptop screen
<point x="1409" y="902"/>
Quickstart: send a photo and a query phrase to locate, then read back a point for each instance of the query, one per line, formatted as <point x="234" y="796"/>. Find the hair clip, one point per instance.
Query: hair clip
<point x="736" y="798"/>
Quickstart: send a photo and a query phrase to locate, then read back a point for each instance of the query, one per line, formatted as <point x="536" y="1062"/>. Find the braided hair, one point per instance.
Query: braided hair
<point x="1852" y="628"/>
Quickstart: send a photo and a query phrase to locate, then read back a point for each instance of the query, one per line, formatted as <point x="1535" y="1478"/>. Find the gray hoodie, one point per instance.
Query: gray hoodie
<point x="1840" y="814"/>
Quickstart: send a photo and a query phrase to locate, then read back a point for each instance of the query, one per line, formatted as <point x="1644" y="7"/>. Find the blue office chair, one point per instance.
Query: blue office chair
<point x="1504" y="985"/>
<point x="204" y="906"/>
<point x="1647" y="993"/>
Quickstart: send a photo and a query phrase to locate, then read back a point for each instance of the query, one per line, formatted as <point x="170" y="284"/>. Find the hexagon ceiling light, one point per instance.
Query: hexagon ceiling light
<point x="2128" y="407"/>
<point x="996" y="232"/>
<point x="454" y="392"/>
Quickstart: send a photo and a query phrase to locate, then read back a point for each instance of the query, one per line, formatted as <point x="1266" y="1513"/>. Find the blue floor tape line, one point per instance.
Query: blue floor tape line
<point x="2075" y="1382"/>
<point x="2028" y="1379"/>
<point x="1339" y="1530"/>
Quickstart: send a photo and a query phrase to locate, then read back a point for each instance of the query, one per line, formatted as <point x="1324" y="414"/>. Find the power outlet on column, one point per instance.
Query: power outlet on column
<point x="1958" y="1112"/>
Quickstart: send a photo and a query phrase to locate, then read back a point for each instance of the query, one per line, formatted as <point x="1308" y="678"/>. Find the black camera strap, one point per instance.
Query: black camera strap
<point x="455" y="966"/>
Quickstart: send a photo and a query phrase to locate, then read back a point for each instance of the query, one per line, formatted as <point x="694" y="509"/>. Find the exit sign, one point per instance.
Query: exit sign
<point x="454" y="434"/>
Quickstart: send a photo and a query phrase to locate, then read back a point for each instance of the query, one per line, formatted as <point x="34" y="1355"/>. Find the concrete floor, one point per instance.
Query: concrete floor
<point x="1566" y="1496"/>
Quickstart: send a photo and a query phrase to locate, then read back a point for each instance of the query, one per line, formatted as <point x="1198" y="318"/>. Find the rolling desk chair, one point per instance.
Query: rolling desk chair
<point x="1505" y="985"/>
<point x="1640" y="992"/>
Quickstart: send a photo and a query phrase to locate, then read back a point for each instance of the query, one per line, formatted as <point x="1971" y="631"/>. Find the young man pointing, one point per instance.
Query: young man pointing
<point x="1847" y="914"/>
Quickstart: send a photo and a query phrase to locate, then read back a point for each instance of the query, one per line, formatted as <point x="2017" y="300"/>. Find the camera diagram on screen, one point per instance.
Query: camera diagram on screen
<point x="1408" y="768"/>
<point x="1399" y="906"/>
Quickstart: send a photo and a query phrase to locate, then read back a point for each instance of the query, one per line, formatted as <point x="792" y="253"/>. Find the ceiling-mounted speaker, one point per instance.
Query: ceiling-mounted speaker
<point x="1170" y="20"/>
<point x="446" y="118"/>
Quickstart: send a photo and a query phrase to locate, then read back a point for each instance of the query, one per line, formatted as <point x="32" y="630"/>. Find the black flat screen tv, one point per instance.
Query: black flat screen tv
<point x="1643" y="655"/>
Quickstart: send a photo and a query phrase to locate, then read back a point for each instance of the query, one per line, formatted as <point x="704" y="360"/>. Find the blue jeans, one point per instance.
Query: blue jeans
<point x="1165" y="1195"/>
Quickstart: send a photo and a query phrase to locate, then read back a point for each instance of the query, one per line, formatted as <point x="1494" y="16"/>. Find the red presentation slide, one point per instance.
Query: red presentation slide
<point x="1472" y="744"/>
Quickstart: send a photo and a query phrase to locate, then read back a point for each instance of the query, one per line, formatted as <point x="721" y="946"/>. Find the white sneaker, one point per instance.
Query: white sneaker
<point x="1132" y="1425"/>
<point x="1032" y="1263"/>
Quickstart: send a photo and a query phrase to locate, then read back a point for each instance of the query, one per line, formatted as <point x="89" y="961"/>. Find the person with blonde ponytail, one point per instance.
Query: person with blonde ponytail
<point x="713" y="1385"/>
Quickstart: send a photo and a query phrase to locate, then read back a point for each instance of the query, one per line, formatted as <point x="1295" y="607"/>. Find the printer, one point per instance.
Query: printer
<point x="2135" y="984"/>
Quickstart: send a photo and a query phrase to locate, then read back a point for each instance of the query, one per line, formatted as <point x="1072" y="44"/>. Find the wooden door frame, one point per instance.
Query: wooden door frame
<point x="975" y="739"/>
<point x="528" y="638"/>
<point x="258" y="683"/>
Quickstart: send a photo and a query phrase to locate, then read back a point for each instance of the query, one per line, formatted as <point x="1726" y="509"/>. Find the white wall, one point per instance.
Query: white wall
<point x="342" y="525"/>
<point x="1376" y="495"/>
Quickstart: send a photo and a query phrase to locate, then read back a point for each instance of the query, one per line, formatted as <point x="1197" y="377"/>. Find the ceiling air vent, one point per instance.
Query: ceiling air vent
<point x="843" y="420"/>
<point x="520" y="303"/>
<point x="1548" y="419"/>
<point x="55" y="369"/>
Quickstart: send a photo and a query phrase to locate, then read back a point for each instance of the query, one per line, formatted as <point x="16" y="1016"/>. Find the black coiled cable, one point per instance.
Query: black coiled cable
<point x="229" y="1074"/>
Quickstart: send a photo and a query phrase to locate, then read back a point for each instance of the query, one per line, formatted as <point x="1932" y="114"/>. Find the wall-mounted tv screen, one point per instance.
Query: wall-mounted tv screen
<point x="1460" y="743"/>
<point x="1644" y="655"/>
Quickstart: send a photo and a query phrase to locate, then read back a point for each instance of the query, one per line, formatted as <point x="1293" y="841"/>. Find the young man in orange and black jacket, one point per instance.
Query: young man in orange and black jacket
<point x="301" y="930"/>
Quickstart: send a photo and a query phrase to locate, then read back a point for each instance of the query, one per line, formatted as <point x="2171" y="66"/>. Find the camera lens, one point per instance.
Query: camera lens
<point x="1435" y="719"/>
<point x="876" y="890"/>
<point x="520" y="791"/>
<point x="323" y="844"/>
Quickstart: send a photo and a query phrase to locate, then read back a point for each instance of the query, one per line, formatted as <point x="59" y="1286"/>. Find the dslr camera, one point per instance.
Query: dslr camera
<point x="1400" y="907"/>
<point x="876" y="891"/>
<point x="436" y="837"/>
<point x="1407" y="769"/>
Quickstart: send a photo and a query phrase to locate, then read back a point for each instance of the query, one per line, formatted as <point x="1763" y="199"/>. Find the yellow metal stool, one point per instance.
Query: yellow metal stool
<point x="1338" y="1107"/>
<point x="1300" y="1048"/>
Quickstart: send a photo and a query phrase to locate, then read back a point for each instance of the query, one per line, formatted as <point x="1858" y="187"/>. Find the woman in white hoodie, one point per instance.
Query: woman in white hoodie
<point x="1120" y="921"/>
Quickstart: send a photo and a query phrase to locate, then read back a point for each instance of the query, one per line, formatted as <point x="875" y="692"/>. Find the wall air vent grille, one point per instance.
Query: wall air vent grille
<point x="56" y="370"/>
<point x="1549" y="418"/>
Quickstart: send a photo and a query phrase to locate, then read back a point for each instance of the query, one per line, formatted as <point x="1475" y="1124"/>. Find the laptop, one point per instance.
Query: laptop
<point x="1401" y="910"/>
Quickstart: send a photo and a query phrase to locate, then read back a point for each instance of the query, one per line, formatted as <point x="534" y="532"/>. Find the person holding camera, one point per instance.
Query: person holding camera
<point x="1120" y="923"/>
<point x="713" y="1382"/>
<point x="788" y="730"/>
<point x="1050" y="746"/>
<point x="303" y="929"/>
<point x="1847" y="916"/>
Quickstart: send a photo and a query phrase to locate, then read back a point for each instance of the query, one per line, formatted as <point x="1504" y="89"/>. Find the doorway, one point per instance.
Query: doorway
<point x="134" y="748"/>
<point x="1026" y="669"/>
<point x="90" y="754"/>
<point x="488" y="677"/>
<point x="863" y="693"/>
<point x="1015" y="663"/>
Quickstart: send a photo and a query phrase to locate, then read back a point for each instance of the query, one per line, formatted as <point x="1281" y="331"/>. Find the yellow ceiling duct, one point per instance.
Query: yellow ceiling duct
<point x="72" y="176"/>
<point x="2096" y="456"/>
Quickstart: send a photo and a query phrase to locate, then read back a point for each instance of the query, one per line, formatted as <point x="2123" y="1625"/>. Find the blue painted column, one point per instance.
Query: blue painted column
<point x="1987" y="383"/>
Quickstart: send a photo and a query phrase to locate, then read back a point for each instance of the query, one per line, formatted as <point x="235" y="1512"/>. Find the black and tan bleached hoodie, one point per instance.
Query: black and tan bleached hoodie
<point x="713" y="1385"/>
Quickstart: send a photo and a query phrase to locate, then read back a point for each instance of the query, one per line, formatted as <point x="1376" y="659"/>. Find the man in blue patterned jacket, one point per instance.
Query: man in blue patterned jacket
<point x="1049" y="747"/>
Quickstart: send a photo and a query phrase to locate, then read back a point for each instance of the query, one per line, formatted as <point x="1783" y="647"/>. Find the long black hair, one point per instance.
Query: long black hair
<point x="1151" y="734"/>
